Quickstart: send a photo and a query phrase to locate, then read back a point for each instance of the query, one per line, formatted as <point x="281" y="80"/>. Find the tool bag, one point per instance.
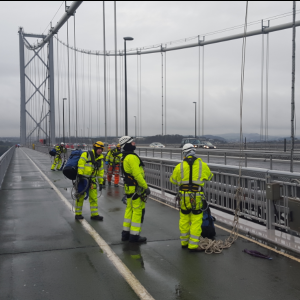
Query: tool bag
<point x="52" y="152"/>
<point x="71" y="167"/>
<point x="208" y="227"/>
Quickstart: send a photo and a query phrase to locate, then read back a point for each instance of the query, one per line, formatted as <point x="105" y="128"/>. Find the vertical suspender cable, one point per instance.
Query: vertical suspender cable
<point x="137" y="91"/>
<point x="104" y="57"/>
<point x="140" y="125"/>
<point x="165" y="93"/>
<point x="162" y="94"/>
<point x="293" y="86"/>
<point x="199" y="82"/>
<point x="267" y="90"/>
<point x="69" y="100"/>
<point x="262" y="84"/>
<point x="76" y="104"/>
<point x="116" y="66"/>
<point x="203" y="88"/>
<point x="57" y="60"/>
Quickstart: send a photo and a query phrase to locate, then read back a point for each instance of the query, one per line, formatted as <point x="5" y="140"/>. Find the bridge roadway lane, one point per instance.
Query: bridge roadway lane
<point x="46" y="254"/>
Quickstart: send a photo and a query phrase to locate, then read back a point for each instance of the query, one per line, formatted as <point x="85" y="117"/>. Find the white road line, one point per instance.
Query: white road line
<point x="139" y="289"/>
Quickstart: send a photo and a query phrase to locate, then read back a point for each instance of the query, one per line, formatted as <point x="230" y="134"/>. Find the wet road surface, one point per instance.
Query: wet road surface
<point x="46" y="254"/>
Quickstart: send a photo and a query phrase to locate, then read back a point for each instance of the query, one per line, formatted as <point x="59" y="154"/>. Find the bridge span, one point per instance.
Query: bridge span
<point x="46" y="254"/>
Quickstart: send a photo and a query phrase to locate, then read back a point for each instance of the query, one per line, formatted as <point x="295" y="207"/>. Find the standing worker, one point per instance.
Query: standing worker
<point x="90" y="169"/>
<point x="136" y="190"/>
<point x="57" y="159"/>
<point x="190" y="176"/>
<point x="113" y="160"/>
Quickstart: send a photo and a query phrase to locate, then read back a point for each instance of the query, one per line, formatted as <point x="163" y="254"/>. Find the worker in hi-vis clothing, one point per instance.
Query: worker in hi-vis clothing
<point x="190" y="176"/>
<point x="136" y="190"/>
<point x="60" y="149"/>
<point x="90" y="170"/>
<point x="113" y="160"/>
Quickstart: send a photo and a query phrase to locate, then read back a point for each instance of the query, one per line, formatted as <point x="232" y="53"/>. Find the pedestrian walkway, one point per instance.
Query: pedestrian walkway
<point x="46" y="254"/>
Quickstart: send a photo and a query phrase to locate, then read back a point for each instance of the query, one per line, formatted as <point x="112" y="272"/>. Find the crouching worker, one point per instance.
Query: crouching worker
<point x="60" y="149"/>
<point x="90" y="170"/>
<point x="113" y="159"/>
<point x="136" y="190"/>
<point x="190" y="176"/>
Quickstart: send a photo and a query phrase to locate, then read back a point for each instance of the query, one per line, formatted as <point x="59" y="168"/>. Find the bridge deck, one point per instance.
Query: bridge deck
<point x="46" y="254"/>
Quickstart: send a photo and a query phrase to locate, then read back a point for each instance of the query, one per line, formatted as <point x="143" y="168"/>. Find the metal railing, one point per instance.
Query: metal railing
<point x="4" y="162"/>
<point x="220" y="191"/>
<point x="222" y="155"/>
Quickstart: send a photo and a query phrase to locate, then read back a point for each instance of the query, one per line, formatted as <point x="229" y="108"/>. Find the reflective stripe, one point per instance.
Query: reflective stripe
<point x="80" y="207"/>
<point x="94" y="207"/>
<point x="101" y="169"/>
<point x="211" y="175"/>
<point x="126" y="228"/>
<point x="174" y="181"/>
<point x="194" y="237"/>
<point x="184" y="234"/>
<point x="184" y="240"/>
<point x="99" y="177"/>
<point x="134" y="232"/>
<point x="135" y="224"/>
<point x="182" y="170"/>
<point x="88" y="165"/>
<point x="81" y="168"/>
<point x="193" y="243"/>
<point x="127" y="220"/>
<point x="200" y="170"/>
<point x="83" y="158"/>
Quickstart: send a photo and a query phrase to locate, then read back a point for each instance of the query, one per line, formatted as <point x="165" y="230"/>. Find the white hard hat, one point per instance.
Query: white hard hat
<point x="187" y="148"/>
<point x="62" y="143"/>
<point x="125" y="140"/>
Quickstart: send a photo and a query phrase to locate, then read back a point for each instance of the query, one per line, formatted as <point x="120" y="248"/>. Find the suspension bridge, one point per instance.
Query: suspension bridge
<point x="45" y="254"/>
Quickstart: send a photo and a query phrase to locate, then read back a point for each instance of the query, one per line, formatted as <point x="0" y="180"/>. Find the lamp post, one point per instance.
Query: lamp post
<point x="135" y="127"/>
<point x="126" y="121"/>
<point x="64" y="119"/>
<point x="195" y="120"/>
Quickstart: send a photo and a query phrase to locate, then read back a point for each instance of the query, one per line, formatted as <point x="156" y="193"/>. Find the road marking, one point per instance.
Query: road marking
<point x="138" y="288"/>
<point x="244" y="237"/>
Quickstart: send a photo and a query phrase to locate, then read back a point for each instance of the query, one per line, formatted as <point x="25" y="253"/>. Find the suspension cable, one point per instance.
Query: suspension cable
<point x="76" y="104"/>
<point x="267" y="91"/>
<point x="69" y="100"/>
<point x="203" y="88"/>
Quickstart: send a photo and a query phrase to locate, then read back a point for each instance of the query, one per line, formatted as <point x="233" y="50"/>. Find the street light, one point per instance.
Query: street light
<point x="126" y="121"/>
<point x="135" y="126"/>
<point x="64" y="119"/>
<point x="195" y="120"/>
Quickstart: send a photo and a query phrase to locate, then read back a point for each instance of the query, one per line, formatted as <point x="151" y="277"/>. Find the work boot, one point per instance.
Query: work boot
<point x="184" y="246"/>
<point x="97" y="218"/>
<point x="140" y="239"/>
<point x="125" y="235"/>
<point x="199" y="249"/>
<point x="108" y="182"/>
<point x="78" y="217"/>
<point x="116" y="185"/>
<point x="52" y="170"/>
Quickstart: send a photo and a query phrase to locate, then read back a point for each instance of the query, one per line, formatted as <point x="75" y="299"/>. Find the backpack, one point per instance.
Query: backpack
<point x="208" y="227"/>
<point x="71" y="167"/>
<point x="52" y="152"/>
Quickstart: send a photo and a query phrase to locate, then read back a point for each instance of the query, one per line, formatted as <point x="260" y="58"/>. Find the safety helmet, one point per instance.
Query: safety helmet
<point x="98" y="144"/>
<point x="62" y="143"/>
<point x="125" y="140"/>
<point x="187" y="148"/>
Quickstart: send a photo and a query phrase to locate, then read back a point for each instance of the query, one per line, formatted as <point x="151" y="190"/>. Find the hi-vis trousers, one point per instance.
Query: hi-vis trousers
<point x="56" y="163"/>
<point x="133" y="219"/>
<point x="93" y="202"/>
<point x="115" y="171"/>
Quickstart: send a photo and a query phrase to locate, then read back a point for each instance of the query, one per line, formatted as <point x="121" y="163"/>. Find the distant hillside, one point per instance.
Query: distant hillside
<point x="213" y="137"/>
<point x="251" y="137"/>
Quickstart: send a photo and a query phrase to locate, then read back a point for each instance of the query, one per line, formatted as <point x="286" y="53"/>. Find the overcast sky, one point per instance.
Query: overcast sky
<point x="151" y="23"/>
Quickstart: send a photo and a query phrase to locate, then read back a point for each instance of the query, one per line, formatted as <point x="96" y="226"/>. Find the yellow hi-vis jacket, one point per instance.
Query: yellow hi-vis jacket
<point x="112" y="158"/>
<point x="86" y="167"/>
<point x="131" y="165"/>
<point x="201" y="173"/>
<point x="60" y="150"/>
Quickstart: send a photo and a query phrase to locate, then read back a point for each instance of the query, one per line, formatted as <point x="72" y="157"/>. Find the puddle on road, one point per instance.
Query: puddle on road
<point x="114" y="209"/>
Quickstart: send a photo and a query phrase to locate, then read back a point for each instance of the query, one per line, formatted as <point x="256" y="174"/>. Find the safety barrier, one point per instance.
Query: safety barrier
<point x="220" y="191"/>
<point x="243" y="156"/>
<point x="4" y="162"/>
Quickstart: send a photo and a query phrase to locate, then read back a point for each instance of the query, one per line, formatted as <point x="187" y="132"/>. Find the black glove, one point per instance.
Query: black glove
<point x="80" y="177"/>
<point x="100" y="187"/>
<point x="147" y="191"/>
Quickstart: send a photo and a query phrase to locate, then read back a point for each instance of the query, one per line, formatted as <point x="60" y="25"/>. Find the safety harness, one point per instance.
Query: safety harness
<point x="192" y="190"/>
<point x="130" y="180"/>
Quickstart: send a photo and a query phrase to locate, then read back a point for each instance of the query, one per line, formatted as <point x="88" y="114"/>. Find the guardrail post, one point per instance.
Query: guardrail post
<point x="153" y="152"/>
<point x="225" y="158"/>
<point x="161" y="153"/>
<point x="246" y="163"/>
<point x="146" y="151"/>
<point x="207" y="156"/>
<point x="171" y="154"/>
<point x="271" y="162"/>
<point x="162" y="178"/>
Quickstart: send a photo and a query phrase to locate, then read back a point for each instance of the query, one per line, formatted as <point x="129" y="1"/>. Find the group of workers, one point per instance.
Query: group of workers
<point x="189" y="176"/>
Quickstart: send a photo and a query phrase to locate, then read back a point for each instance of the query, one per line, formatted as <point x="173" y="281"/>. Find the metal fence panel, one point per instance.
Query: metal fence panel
<point x="5" y="161"/>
